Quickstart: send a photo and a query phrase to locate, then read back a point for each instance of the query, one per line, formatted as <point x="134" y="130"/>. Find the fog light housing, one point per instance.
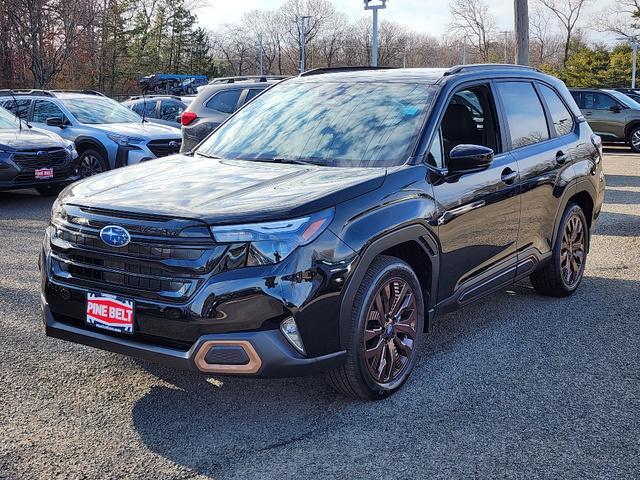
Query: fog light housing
<point x="289" y="329"/>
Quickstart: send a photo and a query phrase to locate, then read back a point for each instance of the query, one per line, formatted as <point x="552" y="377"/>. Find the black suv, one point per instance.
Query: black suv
<point x="324" y="224"/>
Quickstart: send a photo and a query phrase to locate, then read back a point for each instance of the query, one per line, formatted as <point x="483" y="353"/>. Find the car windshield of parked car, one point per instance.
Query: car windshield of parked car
<point x="364" y="124"/>
<point x="99" y="110"/>
<point x="625" y="99"/>
<point x="7" y="120"/>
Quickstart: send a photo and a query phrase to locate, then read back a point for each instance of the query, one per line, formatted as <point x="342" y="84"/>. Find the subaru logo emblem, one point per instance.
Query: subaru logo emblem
<point x="115" y="236"/>
<point x="41" y="154"/>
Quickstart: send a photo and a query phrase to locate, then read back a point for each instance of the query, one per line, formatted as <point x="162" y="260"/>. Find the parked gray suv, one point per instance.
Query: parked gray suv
<point x="216" y="102"/>
<point x="106" y="134"/>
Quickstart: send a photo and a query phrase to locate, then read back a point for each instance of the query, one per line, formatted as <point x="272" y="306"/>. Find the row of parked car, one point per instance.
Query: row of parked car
<point x="62" y="136"/>
<point x="50" y="138"/>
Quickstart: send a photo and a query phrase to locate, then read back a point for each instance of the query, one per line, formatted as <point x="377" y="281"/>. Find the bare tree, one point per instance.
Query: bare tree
<point x="545" y="42"/>
<point x="621" y="17"/>
<point x="568" y="13"/>
<point x="472" y="19"/>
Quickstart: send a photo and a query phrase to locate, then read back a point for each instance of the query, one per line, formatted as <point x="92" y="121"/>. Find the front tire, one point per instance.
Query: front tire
<point x="386" y="330"/>
<point x="91" y="162"/>
<point x="563" y="274"/>
<point x="634" y="139"/>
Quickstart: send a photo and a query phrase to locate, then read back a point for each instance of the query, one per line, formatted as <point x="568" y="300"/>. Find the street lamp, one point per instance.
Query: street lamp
<point x="633" y="43"/>
<point x="374" y="5"/>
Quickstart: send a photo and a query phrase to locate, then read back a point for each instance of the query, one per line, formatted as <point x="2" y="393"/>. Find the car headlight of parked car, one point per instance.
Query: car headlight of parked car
<point x="124" y="140"/>
<point x="272" y="242"/>
<point x="71" y="148"/>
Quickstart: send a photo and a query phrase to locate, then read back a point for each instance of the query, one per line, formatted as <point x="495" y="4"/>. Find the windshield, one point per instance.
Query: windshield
<point x="97" y="110"/>
<point x="337" y="124"/>
<point x="8" y="120"/>
<point x="625" y="100"/>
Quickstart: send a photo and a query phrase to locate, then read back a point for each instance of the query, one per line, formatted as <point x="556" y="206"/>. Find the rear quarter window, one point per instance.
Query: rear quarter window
<point x="225" y="101"/>
<point x="562" y="119"/>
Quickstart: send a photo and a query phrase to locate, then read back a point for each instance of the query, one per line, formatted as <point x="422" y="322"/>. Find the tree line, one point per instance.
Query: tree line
<point x="109" y="44"/>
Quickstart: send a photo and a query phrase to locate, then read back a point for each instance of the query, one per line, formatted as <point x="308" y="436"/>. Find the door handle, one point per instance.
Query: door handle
<point x="508" y="176"/>
<point x="561" y="157"/>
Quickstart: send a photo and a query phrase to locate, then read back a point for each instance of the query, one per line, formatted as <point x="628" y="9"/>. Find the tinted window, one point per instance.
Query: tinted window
<point x="562" y="120"/>
<point x="339" y="124"/>
<point x="525" y="115"/>
<point x="252" y="93"/>
<point x="225" y="102"/>
<point x="578" y="98"/>
<point x="469" y="119"/>
<point x="170" y="110"/>
<point x="597" y="101"/>
<point x="44" y="109"/>
<point x="148" y="108"/>
<point x="19" y="108"/>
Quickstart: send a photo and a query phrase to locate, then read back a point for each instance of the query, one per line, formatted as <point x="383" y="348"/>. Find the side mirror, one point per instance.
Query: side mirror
<point x="55" y="122"/>
<point x="615" y="108"/>
<point x="469" y="158"/>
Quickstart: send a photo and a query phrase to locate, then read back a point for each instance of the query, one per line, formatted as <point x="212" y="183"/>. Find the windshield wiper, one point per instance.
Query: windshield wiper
<point x="200" y="154"/>
<point x="294" y="161"/>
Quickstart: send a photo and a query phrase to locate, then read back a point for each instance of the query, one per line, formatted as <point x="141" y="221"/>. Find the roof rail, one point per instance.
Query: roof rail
<point x="155" y="95"/>
<point x="86" y="92"/>
<point x="483" y="66"/>
<point x="24" y="92"/>
<point x="259" y="78"/>
<point x="320" y="71"/>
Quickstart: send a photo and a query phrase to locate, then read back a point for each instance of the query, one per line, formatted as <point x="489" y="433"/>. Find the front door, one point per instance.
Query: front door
<point x="605" y="115"/>
<point x="478" y="213"/>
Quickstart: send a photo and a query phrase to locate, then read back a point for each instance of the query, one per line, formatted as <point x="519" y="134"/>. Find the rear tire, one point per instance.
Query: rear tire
<point x="563" y="274"/>
<point x="634" y="139"/>
<point x="91" y="162"/>
<point x="386" y="330"/>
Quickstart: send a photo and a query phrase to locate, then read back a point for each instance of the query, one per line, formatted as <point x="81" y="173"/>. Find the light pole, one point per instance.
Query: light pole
<point x="303" y="30"/>
<point x="633" y="43"/>
<point x="261" y="54"/>
<point x="374" y="5"/>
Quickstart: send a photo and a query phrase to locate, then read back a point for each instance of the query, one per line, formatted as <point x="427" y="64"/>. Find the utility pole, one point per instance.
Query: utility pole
<point x="303" y="31"/>
<point x="506" y="41"/>
<point x="261" y="54"/>
<point x="374" y="5"/>
<point x="633" y="43"/>
<point x="521" y="24"/>
<point x="464" y="53"/>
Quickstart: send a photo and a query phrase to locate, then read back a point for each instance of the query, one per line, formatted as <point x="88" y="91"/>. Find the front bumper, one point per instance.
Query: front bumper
<point x="269" y="353"/>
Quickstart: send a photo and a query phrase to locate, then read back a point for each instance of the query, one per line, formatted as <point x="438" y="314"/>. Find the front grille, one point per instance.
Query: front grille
<point x="41" y="158"/>
<point x="167" y="259"/>
<point x="162" y="148"/>
<point x="30" y="177"/>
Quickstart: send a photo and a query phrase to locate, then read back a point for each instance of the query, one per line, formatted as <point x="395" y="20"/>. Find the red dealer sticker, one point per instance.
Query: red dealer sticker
<point x="44" y="173"/>
<point x="110" y="312"/>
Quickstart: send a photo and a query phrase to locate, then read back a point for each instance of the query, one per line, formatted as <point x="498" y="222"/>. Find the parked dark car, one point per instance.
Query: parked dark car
<point x="325" y="223"/>
<point x="34" y="158"/>
<point x="612" y="115"/>
<point x="162" y="109"/>
<point x="632" y="93"/>
<point x="215" y="102"/>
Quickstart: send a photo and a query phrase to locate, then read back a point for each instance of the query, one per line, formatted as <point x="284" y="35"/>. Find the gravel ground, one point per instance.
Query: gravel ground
<point x="516" y="385"/>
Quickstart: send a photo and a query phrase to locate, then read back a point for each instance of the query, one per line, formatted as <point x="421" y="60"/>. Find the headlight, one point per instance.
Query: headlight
<point x="124" y="140"/>
<point x="56" y="209"/>
<point x="271" y="242"/>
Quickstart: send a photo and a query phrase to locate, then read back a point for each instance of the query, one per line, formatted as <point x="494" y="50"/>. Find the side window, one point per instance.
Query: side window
<point x="44" y="109"/>
<point x="525" y="115"/>
<point x="578" y="98"/>
<point x="20" y="108"/>
<point x="148" y="108"/>
<point x="469" y="119"/>
<point x="224" y="102"/>
<point x="562" y="120"/>
<point x="436" y="156"/>
<point x="170" y="110"/>
<point x="598" y="101"/>
<point x="252" y="93"/>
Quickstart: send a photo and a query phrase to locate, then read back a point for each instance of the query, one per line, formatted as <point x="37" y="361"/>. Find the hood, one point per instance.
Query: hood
<point x="30" y="139"/>
<point x="222" y="191"/>
<point x="147" y="130"/>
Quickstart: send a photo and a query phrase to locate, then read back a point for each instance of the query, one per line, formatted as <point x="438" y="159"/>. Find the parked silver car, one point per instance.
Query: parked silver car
<point x="106" y="134"/>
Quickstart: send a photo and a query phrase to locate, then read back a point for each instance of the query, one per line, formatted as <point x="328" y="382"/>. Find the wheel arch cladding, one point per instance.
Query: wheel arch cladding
<point x="630" y="128"/>
<point x="85" y="143"/>
<point x="413" y="244"/>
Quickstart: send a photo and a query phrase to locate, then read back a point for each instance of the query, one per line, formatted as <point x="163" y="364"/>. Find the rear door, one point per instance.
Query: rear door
<point x="608" y="123"/>
<point x="541" y="134"/>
